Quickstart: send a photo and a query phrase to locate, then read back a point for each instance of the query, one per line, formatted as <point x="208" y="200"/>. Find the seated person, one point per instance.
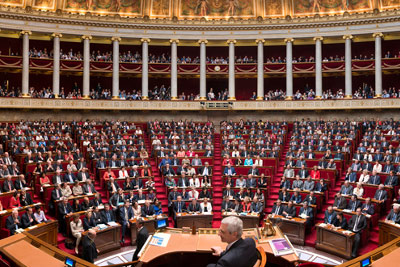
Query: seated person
<point x="15" y="200"/>
<point x="205" y="193"/>
<point x="226" y="204"/>
<point x="296" y="197"/>
<point x="194" y="206"/>
<point x="206" y="207"/>
<point x="278" y="208"/>
<point x="246" y="205"/>
<point x="340" y="202"/>
<point x="236" y="206"/>
<point x="307" y="213"/>
<point x="88" y="222"/>
<point x="394" y="215"/>
<point x="284" y="195"/>
<point x="341" y="221"/>
<point x="289" y="211"/>
<point x="13" y="222"/>
<point x="330" y="216"/>
<point x="39" y="215"/>
<point x="368" y="207"/>
<point x="28" y="219"/>
<point x="147" y="209"/>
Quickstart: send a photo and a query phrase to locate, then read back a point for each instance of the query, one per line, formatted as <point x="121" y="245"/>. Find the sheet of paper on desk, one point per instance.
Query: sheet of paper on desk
<point x="322" y="224"/>
<point x="142" y="201"/>
<point x="112" y="223"/>
<point x="160" y="240"/>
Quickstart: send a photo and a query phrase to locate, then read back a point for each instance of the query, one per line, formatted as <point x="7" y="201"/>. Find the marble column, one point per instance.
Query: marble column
<point x="115" y="77"/>
<point x="378" y="64"/>
<point x="318" y="67"/>
<point x="56" y="64"/>
<point x="203" y="72"/>
<point x="231" y="87"/>
<point x="25" y="62"/>
<point x="260" y="69"/>
<point x="348" y="74"/>
<point x="174" y="69"/>
<point x="289" y="68"/>
<point x="86" y="66"/>
<point x="145" y="68"/>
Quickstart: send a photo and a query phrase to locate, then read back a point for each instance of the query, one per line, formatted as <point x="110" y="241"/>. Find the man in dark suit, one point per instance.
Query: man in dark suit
<point x="56" y="194"/>
<point x="368" y="207"/>
<point x="391" y="179"/>
<point x="206" y="170"/>
<point x="228" y="192"/>
<point x="89" y="247"/>
<point x="183" y="181"/>
<point x="346" y="189"/>
<point x="256" y="206"/>
<point x="330" y="216"/>
<point x="357" y="224"/>
<point x="374" y="178"/>
<point x="147" y="209"/>
<point x="28" y="219"/>
<point x="69" y="177"/>
<point x="340" y="202"/>
<point x="254" y="171"/>
<point x="394" y="215"/>
<point x="278" y="208"/>
<point x="311" y="198"/>
<point x="229" y="170"/>
<point x="226" y="204"/>
<point x="125" y="214"/>
<point x="168" y="171"/>
<point x="107" y="215"/>
<point x="239" y="252"/>
<point x="307" y="213"/>
<point x="289" y="211"/>
<point x="236" y="206"/>
<point x="142" y="235"/>
<point x="13" y="222"/>
<point x="8" y="185"/>
<point x="25" y="198"/>
<point x="179" y="207"/>
<point x="194" y="206"/>
<point x="354" y="203"/>
<point x="64" y="209"/>
<point x="381" y="193"/>
<point x="88" y="187"/>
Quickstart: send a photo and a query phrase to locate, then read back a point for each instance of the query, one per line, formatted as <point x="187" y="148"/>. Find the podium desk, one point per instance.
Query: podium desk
<point x="197" y="219"/>
<point x="45" y="231"/>
<point x="185" y="249"/>
<point x="149" y="223"/>
<point x="107" y="239"/>
<point x="334" y="241"/>
<point x="249" y="220"/>
<point x="388" y="232"/>
<point x="294" y="229"/>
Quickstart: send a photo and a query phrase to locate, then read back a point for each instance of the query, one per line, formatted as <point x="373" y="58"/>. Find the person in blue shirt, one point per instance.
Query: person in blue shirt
<point x="296" y="197"/>
<point x="248" y="161"/>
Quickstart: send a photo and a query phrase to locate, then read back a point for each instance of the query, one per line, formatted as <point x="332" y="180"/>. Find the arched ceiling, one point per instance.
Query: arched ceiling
<point x="206" y="9"/>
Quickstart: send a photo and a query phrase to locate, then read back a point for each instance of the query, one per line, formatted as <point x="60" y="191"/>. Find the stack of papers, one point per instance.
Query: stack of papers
<point x="322" y="224"/>
<point x="102" y="226"/>
<point x="160" y="240"/>
<point x="112" y="223"/>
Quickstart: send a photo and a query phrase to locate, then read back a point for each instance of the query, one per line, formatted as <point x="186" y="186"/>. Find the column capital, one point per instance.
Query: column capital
<point x="203" y="41"/>
<point x="86" y="37"/>
<point x="260" y="41"/>
<point x="377" y="34"/>
<point x="231" y="41"/>
<point x="145" y="40"/>
<point x="320" y="38"/>
<point x="348" y="36"/>
<point x="289" y="40"/>
<point x="174" y="41"/>
<point x="56" y="34"/>
<point x="116" y="39"/>
<point x="25" y="32"/>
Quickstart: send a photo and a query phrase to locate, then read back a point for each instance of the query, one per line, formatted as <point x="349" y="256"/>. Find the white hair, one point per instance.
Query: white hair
<point x="234" y="224"/>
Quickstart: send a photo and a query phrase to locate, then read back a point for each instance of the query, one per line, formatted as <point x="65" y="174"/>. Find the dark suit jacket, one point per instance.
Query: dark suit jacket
<point x="284" y="198"/>
<point x="7" y="187"/>
<point x="226" y="205"/>
<point x="342" y="225"/>
<point x="103" y="215"/>
<point x="140" y="241"/>
<point x="122" y="214"/>
<point x="11" y="226"/>
<point x="147" y="210"/>
<point x="85" y="188"/>
<point x="242" y="253"/>
<point x="87" y="224"/>
<point x="26" y="220"/>
<point x="333" y="217"/>
<point x="291" y="211"/>
<point x="343" y="203"/>
<point x="391" y="216"/>
<point x="193" y="208"/>
<point x="350" y="205"/>
<point x="66" y="178"/>
<point x="370" y="210"/>
<point x="61" y="210"/>
<point x="89" y="249"/>
<point x="275" y="207"/>
<point x="238" y="209"/>
<point x="362" y="223"/>
<point x="183" y="207"/>
<point x="382" y="196"/>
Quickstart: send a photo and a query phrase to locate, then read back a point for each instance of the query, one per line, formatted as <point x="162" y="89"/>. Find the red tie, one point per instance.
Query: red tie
<point x="90" y="189"/>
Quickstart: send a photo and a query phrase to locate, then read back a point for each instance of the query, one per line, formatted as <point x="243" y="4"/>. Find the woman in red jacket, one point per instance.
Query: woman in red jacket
<point x="14" y="201"/>
<point x="315" y="173"/>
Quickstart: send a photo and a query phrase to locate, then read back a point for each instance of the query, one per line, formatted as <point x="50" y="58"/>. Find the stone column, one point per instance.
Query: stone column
<point x="318" y="67"/>
<point x="203" y="72"/>
<point x="378" y="64"/>
<point x="56" y="64"/>
<point x="86" y="66"/>
<point x="260" y="69"/>
<point x="145" y="68"/>
<point x="231" y="94"/>
<point x="348" y="74"/>
<point x="115" y="77"/>
<point x="25" y="62"/>
<point x="174" y="69"/>
<point x="289" y="68"/>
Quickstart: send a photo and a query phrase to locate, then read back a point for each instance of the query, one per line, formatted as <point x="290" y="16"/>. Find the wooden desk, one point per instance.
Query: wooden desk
<point x="198" y="220"/>
<point x="334" y="241"/>
<point x="388" y="232"/>
<point x="108" y="239"/>
<point x="149" y="223"/>
<point x="390" y="260"/>
<point x="45" y="231"/>
<point x="185" y="249"/>
<point x="294" y="228"/>
<point x="249" y="220"/>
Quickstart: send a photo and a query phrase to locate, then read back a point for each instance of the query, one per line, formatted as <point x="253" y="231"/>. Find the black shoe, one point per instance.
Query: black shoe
<point x="353" y="256"/>
<point x="122" y="241"/>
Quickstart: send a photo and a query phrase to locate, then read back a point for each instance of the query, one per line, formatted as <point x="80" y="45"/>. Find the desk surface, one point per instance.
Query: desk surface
<point x="25" y="254"/>
<point x="390" y="260"/>
<point x="201" y="243"/>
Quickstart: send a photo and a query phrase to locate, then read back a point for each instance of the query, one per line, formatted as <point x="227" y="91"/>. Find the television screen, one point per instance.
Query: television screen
<point x="69" y="262"/>
<point x="162" y="223"/>
<point x="365" y="262"/>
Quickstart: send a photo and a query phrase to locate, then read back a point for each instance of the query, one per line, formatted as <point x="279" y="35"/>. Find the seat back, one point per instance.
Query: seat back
<point x="261" y="257"/>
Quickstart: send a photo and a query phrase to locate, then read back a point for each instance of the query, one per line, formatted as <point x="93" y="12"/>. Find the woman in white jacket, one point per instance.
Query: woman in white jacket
<point x="76" y="230"/>
<point x="205" y="206"/>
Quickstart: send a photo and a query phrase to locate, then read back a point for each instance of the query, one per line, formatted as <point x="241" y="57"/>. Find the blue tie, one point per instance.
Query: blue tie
<point x="108" y="217"/>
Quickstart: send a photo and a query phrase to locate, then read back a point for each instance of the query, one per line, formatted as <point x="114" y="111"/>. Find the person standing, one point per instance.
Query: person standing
<point x="90" y="250"/>
<point x="141" y="239"/>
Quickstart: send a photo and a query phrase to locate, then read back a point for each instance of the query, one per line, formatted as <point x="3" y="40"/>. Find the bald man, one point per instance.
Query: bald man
<point x="89" y="247"/>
